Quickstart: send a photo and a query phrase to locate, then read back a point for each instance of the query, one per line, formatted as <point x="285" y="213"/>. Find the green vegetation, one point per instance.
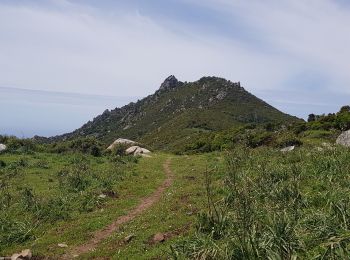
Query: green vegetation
<point x="319" y="129"/>
<point x="234" y="194"/>
<point x="41" y="189"/>
<point x="170" y="118"/>
<point x="275" y="206"/>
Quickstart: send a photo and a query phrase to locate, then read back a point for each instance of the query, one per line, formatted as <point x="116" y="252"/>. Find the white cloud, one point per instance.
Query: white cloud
<point x="75" y="48"/>
<point x="70" y="47"/>
<point x="314" y="34"/>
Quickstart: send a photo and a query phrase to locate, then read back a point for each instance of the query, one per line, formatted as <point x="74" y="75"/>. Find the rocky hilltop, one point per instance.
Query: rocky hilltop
<point x="179" y="110"/>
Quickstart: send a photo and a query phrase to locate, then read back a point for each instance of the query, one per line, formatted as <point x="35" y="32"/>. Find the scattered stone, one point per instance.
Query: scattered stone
<point x="25" y="254"/>
<point x="158" y="238"/>
<point x="62" y="245"/>
<point x="319" y="149"/>
<point x="3" y="147"/>
<point x="344" y="139"/>
<point x="102" y="196"/>
<point x="129" y="238"/>
<point x="288" y="149"/>
<point x="120" y="141"/>
<point x="221" y="95"/>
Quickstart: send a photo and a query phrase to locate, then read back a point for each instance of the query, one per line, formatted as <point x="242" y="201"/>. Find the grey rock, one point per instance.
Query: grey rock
<point x="344" y="139"/>
<point x="169" y="83"/>
<point x="131" y="149"/>
<point x="138" y="151"/>
<point x="221" y="95"/>
<point x="120" y="141"/>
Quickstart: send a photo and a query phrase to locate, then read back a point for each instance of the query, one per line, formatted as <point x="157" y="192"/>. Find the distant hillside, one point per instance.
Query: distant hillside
<point x="179" y="111"/>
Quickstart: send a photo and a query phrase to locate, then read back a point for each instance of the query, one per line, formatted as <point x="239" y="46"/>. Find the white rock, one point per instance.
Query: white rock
<point x="137" y="150"/>
<point x="344" y="139"/>
<point x="140" y="151"/>
<point x="131" y="149"/>
<point x="2" y="147"/>
<point x="102" y="196"/>
<point x="62" y="245"/>
<point x="25" y="254"/>
<point x="288" y="149"/>
<point x="120" y="141"/>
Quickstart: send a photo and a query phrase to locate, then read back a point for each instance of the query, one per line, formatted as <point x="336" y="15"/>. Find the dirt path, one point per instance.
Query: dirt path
<point x="145" y="203"/>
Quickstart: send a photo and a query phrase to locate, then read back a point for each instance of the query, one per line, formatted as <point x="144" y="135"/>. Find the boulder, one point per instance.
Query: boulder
<point x="2" y="147"/>
<point x="288" y="149"/>
<point x="141" y="150"/>
<point x="138" y="151"/>
<point x="25" y="254"/>
<point x="120" y="141"/>
<point x="131" y="149"/>
<point x="344" y="139"/>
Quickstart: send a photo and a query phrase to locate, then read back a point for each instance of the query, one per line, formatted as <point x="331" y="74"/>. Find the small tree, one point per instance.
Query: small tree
<point x="311" y="118"/>
<point x="344" y="109"/>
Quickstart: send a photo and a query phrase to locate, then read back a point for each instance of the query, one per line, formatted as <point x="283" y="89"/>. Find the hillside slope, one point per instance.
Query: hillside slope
<point x="178" y="111"/>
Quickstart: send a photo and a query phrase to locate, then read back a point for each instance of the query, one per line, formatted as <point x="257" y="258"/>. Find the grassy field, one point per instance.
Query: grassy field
<point x="274" y="205"/>
<point x="242" y="204"/>
<point x="40" y="210"/>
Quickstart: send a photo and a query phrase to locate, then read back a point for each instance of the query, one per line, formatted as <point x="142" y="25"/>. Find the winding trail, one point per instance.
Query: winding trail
<point x="144" y="204"/>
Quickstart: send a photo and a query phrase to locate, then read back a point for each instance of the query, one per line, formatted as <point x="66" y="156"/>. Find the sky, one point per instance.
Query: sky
<point x="63" y="62"/>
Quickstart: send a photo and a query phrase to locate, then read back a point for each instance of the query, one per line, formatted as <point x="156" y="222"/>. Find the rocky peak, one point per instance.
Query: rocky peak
<point x="170" y="83"/>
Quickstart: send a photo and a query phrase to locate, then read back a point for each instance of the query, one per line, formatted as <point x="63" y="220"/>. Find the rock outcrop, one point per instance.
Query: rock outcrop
<point x="170" y="83"/>
<point x="344" y="139"/>
<point x="120" y="141"/>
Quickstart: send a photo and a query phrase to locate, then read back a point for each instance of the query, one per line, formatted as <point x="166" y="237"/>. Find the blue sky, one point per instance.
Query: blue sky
<point x="292" y="53"/>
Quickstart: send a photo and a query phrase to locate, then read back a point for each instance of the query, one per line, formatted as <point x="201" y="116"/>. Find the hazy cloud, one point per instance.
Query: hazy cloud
<point x="126" y="48"/>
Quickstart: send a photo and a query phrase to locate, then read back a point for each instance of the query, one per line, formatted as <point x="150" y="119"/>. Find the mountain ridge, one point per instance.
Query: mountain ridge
<point x="179" y="110"/>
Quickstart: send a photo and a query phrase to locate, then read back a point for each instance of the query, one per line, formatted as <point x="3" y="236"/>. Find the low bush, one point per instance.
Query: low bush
<point x="276" y="206"/>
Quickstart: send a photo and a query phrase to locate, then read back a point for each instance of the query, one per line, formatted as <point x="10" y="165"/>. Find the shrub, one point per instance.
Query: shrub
<point x="77" y="177"/>
<point x="276" y="206"/>
<point x="85" y="145"/>
<point x="287" y="139"/>
<point x="2" y="164"/>
<point x="14" y="231"/>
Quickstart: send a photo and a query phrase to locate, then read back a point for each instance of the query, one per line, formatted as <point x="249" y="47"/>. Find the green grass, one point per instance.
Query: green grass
<point x="276" y="206"/>
<point x="136" y="181"/>
<point x="174" y="215"/>
<point x="246" y="203"/>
